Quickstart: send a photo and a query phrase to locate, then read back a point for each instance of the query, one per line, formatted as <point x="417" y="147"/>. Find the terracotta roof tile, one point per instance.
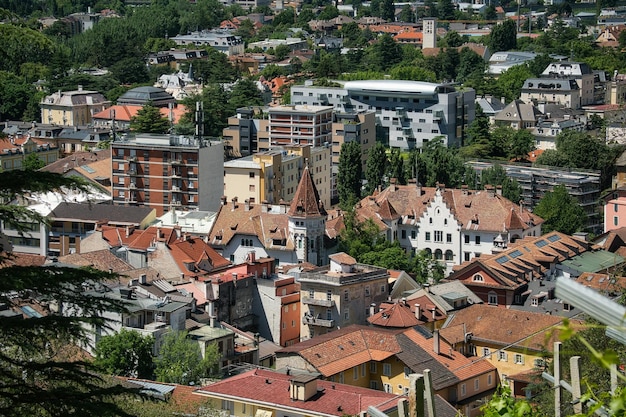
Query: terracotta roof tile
<point x="397" y="315"/>
<point x="306" y="201"/>
<point x="257" y="386"/>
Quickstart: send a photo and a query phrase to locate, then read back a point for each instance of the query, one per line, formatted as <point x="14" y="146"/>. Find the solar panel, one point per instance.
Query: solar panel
<point x="88" y="169"/>
<point x="541" y="243"/>
<point x="502" y="259"/>
<point x="554" y="238"/>
<point x="515" y="253"/>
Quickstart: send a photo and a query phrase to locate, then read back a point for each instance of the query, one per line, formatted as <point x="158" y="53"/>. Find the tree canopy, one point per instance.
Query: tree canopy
<point x="127" y="353"/>
<point x="180" y="360"/>
<point x="350" y="174"/>
<point x="39" y="374"/>
<point x="560" y="212"/>
<point x="149" y="120"/>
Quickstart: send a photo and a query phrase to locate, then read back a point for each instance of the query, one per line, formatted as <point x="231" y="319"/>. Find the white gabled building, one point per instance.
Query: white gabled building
<point x="453" y="225"/>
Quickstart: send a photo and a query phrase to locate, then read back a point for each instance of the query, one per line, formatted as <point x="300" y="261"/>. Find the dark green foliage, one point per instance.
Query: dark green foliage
<point x="245" y="93"/>
<point x="130" y="71"/>
<point x="439" y="164"/>
<point x="32" y="162"/>
<point x="37" y="374"/>
<point x="376" y="167"/>
<point x="496" y="175"/>
<point x="149" y="120"/>
<point x="20" y="45"/>
<point x="350" y="174"/>
<point x="445" y="9"/>
<point x="503" y="36"/>
<point x="384" y="54"/>
<point x="15" y="96"/>
<point x="396" y="166"/>
<point x="126" y="353"/>
<point x="180" y="360"/>
<point x="560" y="211"/>
<point x="407" y="15"/>
<point x="387" y="10"/>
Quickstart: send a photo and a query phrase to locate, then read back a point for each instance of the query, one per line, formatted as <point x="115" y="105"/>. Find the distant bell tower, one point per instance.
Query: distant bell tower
<point x="429" y="33"/>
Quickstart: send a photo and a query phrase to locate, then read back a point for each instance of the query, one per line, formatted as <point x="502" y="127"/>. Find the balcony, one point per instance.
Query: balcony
<point x="132" y="158"/>
<point x="132" y="172"/>
<point x="312" y="321"/>
<point x="176" y="174"/>
<point x="175" y="188"/>
<point x="177" y="161"/>
<point x="316" y="302"/>
<point x="176" y="203"/>
<point x="132" y="186"/>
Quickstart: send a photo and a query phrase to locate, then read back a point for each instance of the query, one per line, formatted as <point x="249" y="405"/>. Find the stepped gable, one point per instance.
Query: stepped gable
<point x="484" y="210"/>
<point x="306" y="201"/>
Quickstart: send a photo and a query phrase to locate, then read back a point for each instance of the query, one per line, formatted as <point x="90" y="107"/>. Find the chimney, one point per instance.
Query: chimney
<point x="403" y="301"/>
<point x="393" y="182"/>
<point x="418" y="312"/>
<point x="372" y="309"/>
<point x="247" y="204"/>
<point x="498" y="189"/>
<point x="490" y="190"/>
<point x="441" y="187"/>
<point x="436" y="341"/>
<point x="143" y="279"/>
<point x="264" y="206"/>
<point x="302" y="387"/>
<point x="419" y="188"/>
<point x="80" y="87"/>
<point x="464" y="189"/>
<point x="432" y="311"/>
<point x="252" y="257"/>
<point x="223" y="200"/>
<point x="426" y="287"/>
<point x="234" y="203"/>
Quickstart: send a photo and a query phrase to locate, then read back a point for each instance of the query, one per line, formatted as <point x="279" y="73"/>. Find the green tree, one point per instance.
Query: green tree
<point x="503" y="36"/>
<point x="180" y="360"/>
<point x="16" y="96"/>
<point x="445" y="9"/>
<point x="329" y="12"/>
<point x="245" y="93"/>
<point x="496" y="175"/>
<point x="387" y="10"/>
<point x="560" y="212"/>
<point x="521" y="144"/>
<point x="510" y="82"/>
<point x="39" y="376"/>
<point x="149" y="120"/>
<point x="126" y="353"/>
<point x="20" y="45"/>
<point x="406" y="14"/>
<point x="452" y="39"/>
<point x="32" y="162"/>
<point x="396" y="166"/>
<point x="349" y="174"/>
<point x="130" y="71"/>
<point x="384" y="54"/>
<point x="376" y="167"/>
<point x="426" y="269"/>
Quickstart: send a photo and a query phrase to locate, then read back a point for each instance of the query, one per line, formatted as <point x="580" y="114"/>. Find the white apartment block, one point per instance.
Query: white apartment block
<point x="408" y="113"/>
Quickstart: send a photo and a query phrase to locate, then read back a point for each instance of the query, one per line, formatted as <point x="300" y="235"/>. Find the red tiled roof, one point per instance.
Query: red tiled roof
<point x="204" y="258"/>
<point x="396" y="315"/>
<point x="306" y="201"/>
<point x="496" y="325"/>
<point x="126" y="112"/>
<point x="343" y="258"/>
<point x="260" y="386"/>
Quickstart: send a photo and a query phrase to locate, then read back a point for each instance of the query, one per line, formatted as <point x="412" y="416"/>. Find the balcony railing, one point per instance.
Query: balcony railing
<point x="316" y="302"/>
<point x="312" y="321"/>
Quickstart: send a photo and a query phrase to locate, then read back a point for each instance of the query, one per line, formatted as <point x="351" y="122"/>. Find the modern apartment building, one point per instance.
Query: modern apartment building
<point x="536" y="181"/>
<point x="274" y="175"/>
<point x="408" y="113"/>
<point x="222" y="41"/>
<point x="72" y="108"/>
<point x="167" y="172"/>
<point x="339" y="294"/>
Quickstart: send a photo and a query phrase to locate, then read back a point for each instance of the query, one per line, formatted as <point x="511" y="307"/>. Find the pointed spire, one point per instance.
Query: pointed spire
<point x="306" y="201"/>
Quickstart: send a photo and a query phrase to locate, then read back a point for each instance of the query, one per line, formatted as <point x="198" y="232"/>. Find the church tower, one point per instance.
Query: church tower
<point x="307" y="221"/>
<point x="429" y="33"/>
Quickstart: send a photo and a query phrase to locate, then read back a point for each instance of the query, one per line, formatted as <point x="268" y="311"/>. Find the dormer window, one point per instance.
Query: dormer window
<point x="478" y="278"/>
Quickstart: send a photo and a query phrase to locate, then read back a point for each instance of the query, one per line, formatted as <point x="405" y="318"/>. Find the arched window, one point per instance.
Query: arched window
<point x="449" y="255"/>
<point x="438" y="254"/>
<point x="445" y="222"/>
<point x="478" y="278"/>
<point x="430" y="220"/>
<point x="429" y="253"/>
